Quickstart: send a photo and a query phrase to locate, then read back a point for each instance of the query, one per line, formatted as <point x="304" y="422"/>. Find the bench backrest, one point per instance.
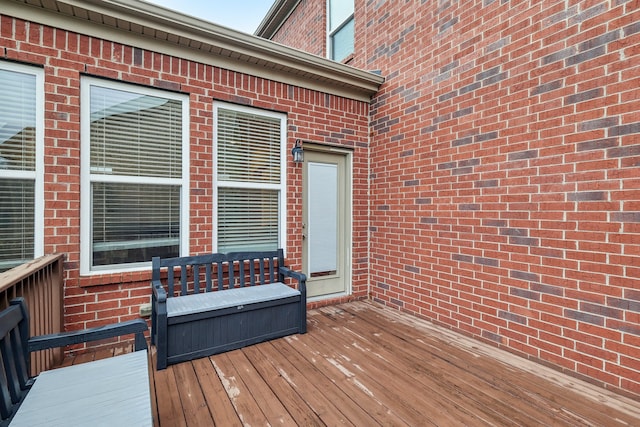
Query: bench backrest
<point x="14" y="355"/>
<point x="211" y="272"/>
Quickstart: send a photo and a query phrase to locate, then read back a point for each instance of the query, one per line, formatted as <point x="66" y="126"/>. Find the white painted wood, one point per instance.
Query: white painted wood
<point x="107" y="392"/>
<point x="208" y="301"/>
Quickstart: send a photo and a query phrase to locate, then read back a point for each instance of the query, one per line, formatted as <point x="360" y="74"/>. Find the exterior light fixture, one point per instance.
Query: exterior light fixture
<point x="297" y="153"/>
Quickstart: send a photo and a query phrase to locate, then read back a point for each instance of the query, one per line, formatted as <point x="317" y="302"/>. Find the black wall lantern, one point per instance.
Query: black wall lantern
<point x="297" y="153"/>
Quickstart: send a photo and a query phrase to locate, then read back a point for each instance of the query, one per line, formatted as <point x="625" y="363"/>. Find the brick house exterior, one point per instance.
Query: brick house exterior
<point x="496" y="172"/>
<point x="505" y="170"/>
<point x="139" y="45"/>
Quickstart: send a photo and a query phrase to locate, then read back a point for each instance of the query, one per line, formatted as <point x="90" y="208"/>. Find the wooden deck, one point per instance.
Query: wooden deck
<point x="364" y="365"/>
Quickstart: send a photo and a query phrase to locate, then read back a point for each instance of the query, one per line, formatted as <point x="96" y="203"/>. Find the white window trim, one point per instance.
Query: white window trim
<point x="86" y="177"/>
<point x="282" y="187"/>
<point x="38" y="174"/>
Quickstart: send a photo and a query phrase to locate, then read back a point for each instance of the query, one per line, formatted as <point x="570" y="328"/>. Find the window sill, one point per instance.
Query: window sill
<point x="115" y="278"/>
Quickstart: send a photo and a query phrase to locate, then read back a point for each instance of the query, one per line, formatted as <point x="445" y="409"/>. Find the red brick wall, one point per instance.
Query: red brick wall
<point x="505" y="174"/>
<point x="306" y="28"/>
<point x="65" y="56"/>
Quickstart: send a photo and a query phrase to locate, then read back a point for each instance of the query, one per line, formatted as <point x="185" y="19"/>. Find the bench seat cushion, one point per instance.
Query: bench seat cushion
<point x="218" y="300"/>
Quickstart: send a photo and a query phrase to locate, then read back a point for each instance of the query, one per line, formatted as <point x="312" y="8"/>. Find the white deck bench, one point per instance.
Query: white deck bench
<point x="208" y="304"/>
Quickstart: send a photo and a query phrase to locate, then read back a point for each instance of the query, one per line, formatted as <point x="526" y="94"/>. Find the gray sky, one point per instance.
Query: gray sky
<point x="242" y="15"/>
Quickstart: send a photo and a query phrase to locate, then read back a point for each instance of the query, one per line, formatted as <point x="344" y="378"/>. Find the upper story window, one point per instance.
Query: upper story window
<point x="21" y="164"/>
<point x="134" y="175"/>
<point x="249" y="174"/>
<point x="341" y="29"/>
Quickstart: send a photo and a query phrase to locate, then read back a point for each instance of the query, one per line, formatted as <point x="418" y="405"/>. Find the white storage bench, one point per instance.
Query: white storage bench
<point x="209" y="304"/>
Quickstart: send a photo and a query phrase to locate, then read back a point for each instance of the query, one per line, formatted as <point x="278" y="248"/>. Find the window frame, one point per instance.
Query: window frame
<point x="337" y="28"/>
<point x="37" y="175"/>
<point x="87" y="178"/>
<point x="281" y="187"/>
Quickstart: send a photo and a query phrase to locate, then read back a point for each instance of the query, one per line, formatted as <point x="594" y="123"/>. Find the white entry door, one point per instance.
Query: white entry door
<point x="326" y="258"/>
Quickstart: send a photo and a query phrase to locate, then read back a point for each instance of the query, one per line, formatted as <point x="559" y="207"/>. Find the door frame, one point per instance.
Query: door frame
<point x="348" y="215"/>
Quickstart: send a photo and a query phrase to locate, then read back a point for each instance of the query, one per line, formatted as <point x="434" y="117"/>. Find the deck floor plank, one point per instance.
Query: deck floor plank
<point x="390" y="381"/>
<point x="446" y="376"/>
<point x="454" y="395"/>
<point x="363" y="364"/>
<point x="215" y="395"/>
<point x="328" y="403"/>
<point x="447" y="405"/>
<point x="167" y="398"/>
<point x="270" y="404"/>
<point x="289" y="399"/>
<point x="239" y="393"/>
<point x="550" y="401"/>
<point x="196" y="411"/>
<point x="355" y="393"/>
<point x="152" y="386"/>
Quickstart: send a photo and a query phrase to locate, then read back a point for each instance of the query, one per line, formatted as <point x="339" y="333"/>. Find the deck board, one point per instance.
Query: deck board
<point x="194" y="407"/>
<point x="216" y="398"/>
<point x="275" y="379"/>
<point x="168" y="400"/>
<point x="362" y="364"/>
<point x="473" y="391"/>
<point x="313" y="387"/>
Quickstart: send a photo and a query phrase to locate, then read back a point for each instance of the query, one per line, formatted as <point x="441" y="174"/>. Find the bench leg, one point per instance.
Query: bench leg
<point x="154" y="327"/>
<point x="303" y="311"/>
<point x="159" y="335"/>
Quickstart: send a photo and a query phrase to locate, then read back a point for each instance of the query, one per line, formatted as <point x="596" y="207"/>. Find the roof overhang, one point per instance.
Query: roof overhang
<point x="148" y="26"/>
<point x="276" y="16"/>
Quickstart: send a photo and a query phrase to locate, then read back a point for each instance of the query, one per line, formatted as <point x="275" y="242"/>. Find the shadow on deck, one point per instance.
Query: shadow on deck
<point x="364" y="365"/>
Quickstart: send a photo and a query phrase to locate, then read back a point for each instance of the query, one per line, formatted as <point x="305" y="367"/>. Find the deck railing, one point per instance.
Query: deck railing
<point x="40" y="283"/>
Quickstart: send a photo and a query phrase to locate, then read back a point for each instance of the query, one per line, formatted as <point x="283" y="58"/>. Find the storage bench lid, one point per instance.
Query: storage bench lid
<point x="216" y="300"/>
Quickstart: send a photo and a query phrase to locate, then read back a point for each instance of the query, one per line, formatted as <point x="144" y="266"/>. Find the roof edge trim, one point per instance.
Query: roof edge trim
<point x="255" y="56"/>
<point x="275" y="18"/>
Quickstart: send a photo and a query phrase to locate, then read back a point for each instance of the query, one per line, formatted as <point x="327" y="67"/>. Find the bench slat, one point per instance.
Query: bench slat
<point x="220" y="276"/>
<point x="241" y="273"/>
<point x="230" y="274"/>
<point x="260" y="272"/>
<point x="208" y="277"/>
<point x="252" y="273"/>
<point x="171" y="281"/>
<point x="183" y="281"/>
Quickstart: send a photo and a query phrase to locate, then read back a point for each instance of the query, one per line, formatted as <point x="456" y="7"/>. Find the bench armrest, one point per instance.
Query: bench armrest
<point x="137" y="327"/>
<point x="302" y="287"/>
<point x="300" y="277"/>
<point x="287" y="272"/>
<point x="158" y="291"/>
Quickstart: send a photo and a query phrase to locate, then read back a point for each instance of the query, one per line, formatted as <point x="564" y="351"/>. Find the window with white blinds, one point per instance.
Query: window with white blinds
<point x="21" y="197"/>
<point x="135" y="145"/>
<point x="250" y="178"/>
